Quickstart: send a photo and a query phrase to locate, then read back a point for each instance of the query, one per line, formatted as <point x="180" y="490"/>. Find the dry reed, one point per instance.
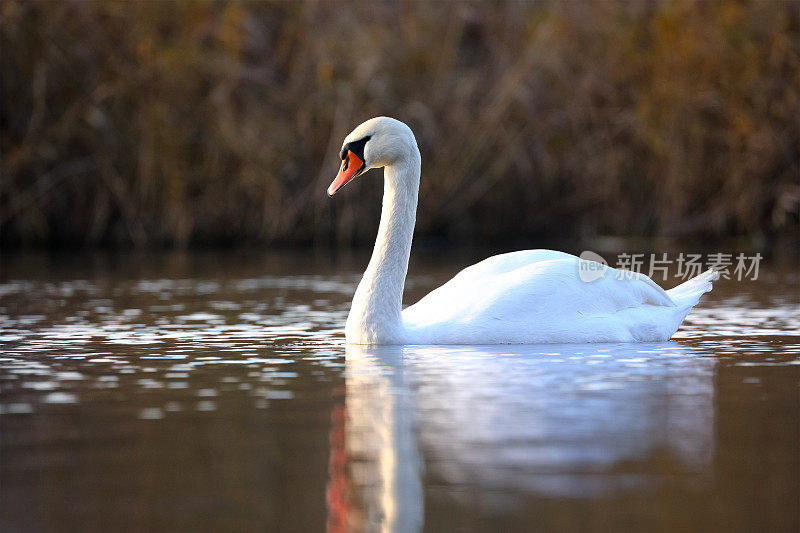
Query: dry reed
<point x="176" y="123"/>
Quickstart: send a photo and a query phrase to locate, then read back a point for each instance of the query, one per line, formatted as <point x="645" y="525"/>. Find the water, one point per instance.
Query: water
<point x="214" y="391"/>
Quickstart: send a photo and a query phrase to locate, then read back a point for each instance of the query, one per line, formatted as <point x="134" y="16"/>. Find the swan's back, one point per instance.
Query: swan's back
<point x="535" y="296"/>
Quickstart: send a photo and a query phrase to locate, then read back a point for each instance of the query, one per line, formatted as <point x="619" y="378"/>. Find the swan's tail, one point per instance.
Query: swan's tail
<point x="687" y="294"/>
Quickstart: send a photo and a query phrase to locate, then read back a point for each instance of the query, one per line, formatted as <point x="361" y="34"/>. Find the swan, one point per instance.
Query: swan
<point x="523" y="297"/>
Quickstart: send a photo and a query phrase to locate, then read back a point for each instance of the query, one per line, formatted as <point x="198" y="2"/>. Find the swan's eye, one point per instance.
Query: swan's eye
<point x="357" y="147"/>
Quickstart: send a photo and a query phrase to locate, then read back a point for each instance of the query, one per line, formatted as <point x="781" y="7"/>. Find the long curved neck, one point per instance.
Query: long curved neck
<point x="375" y="316"/>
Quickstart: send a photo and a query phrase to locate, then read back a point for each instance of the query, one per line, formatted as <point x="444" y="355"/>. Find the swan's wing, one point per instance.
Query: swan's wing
<point x="518" y="292"/>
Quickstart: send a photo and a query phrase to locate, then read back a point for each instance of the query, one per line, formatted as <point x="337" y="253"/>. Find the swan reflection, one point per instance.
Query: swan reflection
<point x="544" y="420"/>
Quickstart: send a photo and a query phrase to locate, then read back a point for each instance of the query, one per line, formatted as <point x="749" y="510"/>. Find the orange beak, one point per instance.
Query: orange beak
<point x="352" y="166"/>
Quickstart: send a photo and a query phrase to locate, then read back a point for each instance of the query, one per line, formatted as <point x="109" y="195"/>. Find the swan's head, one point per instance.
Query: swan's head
<point x="378" y="142"/>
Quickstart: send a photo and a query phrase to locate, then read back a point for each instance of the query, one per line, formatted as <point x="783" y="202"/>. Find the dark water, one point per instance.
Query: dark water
<point x="215" y="392"/>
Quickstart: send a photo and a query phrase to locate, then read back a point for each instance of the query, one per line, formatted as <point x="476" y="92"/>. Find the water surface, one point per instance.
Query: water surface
<point x="214" y="391"/>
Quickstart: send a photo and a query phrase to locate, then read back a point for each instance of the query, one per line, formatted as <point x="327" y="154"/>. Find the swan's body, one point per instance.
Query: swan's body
<point x="526" y="297"/>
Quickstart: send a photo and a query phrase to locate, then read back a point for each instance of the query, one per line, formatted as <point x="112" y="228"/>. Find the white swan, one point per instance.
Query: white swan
<point x="525" y="297"/>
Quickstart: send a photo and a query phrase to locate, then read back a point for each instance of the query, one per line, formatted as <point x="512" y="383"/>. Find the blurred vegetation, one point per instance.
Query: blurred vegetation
<point x="179" y="123"/>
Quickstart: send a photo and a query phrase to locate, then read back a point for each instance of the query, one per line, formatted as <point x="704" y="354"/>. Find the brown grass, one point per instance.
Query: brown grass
<point x="175" y="123"/>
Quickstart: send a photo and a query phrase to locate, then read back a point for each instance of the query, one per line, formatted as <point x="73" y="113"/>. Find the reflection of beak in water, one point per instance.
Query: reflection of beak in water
<point x="549" y="420"/>
<point x="380" y="486"/>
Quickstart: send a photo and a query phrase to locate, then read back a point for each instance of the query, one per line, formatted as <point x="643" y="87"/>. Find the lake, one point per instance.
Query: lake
<point x="213" y="391"/>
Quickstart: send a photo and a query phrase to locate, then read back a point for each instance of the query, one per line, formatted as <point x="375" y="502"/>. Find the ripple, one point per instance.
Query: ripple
<point x="60" y="397"/>
<point x="171" y="337"/>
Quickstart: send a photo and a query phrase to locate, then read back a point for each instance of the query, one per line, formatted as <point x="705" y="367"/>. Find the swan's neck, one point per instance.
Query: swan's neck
<point x="375" y="316"/>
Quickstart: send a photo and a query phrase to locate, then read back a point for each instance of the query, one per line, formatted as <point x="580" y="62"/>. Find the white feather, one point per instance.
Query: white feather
<point x="525" y="297"/>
